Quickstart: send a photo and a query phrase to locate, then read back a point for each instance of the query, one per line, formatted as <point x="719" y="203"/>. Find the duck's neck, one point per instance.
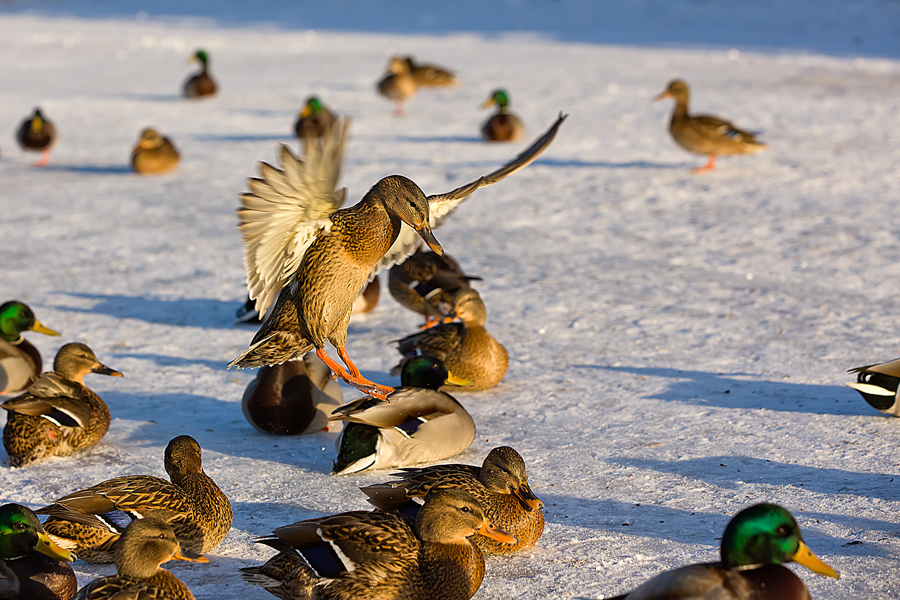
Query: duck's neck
<point x="457" y="567"/>
<point x="681" y="108"/>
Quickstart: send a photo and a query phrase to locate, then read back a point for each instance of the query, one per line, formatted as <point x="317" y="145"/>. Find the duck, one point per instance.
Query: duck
<point x="20" y="361"/>
<point x="292" y="398"/>
<point x="57" y="415"/>
<point x="200" y="84"/>
<point x="90" y="521"/>
<point x="756" y="544"/>
<point x="365" y="302"/>
<point x="316" y="257"/>
<point x="377" y="555"/>
<point x="426" y="283"/>
<point x="398" y="84"/>
<point x="37" y="134"/>
<point x="418" y="423"/>
<point x="32" y="567"/>
<point x="314" y="120"/>
<point x="878" y="386"/>
<point x="704" y="134"/>
<point x="430" y="75"/>
<point x="145" y="545"/>
<point x="154" y="154"/>
<point x="503" y="126"/>
<point x="465" y="347"/>
<point x="500" y="485"/>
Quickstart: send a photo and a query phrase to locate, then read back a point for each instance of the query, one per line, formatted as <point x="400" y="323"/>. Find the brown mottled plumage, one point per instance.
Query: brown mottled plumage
<point x="154" y="154"/>
<point x="58" y="415"/>
<point x="500" y="486"/>
<point x="426" y="283"/>
<point x="90" y="521"/>
<point x="399" y="84"/>
<point x="430" y="75"/>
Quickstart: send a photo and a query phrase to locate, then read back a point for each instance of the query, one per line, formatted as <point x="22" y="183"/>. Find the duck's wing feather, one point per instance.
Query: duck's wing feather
<point x="416" y="482"/>
<point x="693" y="582"/>
<point x="401" y="406"/>
<point x="714" y="129"/>
<point x="144" y="494"/>
<point x="54" y="398"/>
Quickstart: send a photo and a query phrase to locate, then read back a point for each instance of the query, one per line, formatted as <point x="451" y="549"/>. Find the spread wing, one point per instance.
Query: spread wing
<point x="286" y="209"/>
<point x="442" y="205"/>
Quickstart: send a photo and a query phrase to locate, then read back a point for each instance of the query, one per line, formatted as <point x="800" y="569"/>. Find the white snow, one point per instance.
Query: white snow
<point x="678" y="343"/>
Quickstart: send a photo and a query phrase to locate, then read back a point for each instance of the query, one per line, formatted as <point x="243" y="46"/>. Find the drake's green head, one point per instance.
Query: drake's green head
<point x="498" y="97"/>
<point x="21" y="534"/>
<point x="202" y="56"/>
<point x="767" y="534"/>
<point x="16" y="317"/>
<point x="428" y="372"/>
<point x="312" y="107"/>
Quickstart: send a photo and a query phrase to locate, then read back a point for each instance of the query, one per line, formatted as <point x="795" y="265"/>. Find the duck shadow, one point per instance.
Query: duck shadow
<point x="441" y="139"/>
<point x="187" y="312"/>
<point x="635" y="164"/>
<point x="92" y="169"/>
<point x="164" y="360"/>
<point x="148" y="97"/>
<point x="242" y="138"/>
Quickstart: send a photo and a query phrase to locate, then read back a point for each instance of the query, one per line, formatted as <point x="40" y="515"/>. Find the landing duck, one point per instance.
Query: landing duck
<point x="426" y="283"/>
<point x="154" y="154"/>
<point x="32" y="567"/>
<point x="503" y="126"/>
<point x="37" y="134"/>
<point x="20" y="362"/>
<point x="200" y="84"/>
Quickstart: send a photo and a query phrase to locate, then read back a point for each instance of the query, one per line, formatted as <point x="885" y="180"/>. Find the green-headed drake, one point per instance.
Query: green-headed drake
<point x="878" y="385"/>
<point x="32" y="566"/>
<point x="314" y="119"/>
<point x="154" y="154"/>
<point x="20" y="362"/>
<point x="503" y="126"/>
<point x="201" y="84"/>
<point x="37" y="134"/>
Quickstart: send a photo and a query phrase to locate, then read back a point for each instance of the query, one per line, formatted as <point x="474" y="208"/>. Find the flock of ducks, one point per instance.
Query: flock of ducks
<point x="311" y="264"/>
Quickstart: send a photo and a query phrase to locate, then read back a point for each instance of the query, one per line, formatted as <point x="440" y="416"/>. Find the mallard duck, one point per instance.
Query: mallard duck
<point x="503" y="126"/>
<point x="399" y="83"/>
<point x="314" y="119"/>
<point x="704" y="134"/>
<point x="465" y="347"/>
<point x="426" y="283"/>
<point x="430" y="75"/>
<point x="91" y="521"/>
<point x="500" y="485"/>
<point x="32" y="567"/>
<point x="878" y="385"/>
<point x="417" y="424"/>
<point x="318" y="257"/>
<point x="154" y="154"/>
<point x="755" y="545"/>
<point x="377" y="555"/>
<point x="292" y="398"/>
<point x="58" y="415"/>
<point x="200" y="84"/>
<point x="37" y="134"/>
<point x="144" y="546"/>
<point x="20" y="362"/>
<point x="365" y="302"/>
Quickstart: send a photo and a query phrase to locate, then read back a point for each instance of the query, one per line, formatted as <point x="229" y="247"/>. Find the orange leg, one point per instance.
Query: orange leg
<point x="398" y="112"/>
<point x="353" y="377"/>
<point x="45" y="158"/>
<point x="709" y="166"/>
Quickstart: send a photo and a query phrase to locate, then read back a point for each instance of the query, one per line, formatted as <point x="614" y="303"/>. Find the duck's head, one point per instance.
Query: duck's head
<point x="676" y="89"/>
<point x="450" y="516"/>
<point x="183" y="456"/>
<point x="428" y="372"/>
<point x="767" y="534"/>
<point x="503" y="472"/>
<point x="146" y="544"/>
<point x="403" y="198"/>
<point x="201" y="56"/>
<point x="37" y="121"/>
<point x="313" y="107"/>
<point x="498" y="97"/>
<point x="73" y="361"/>
<point x="21" y="534"/>
<point x="398" y="65"/>
<point x="16" y="317"/>
<point x="150" y="139"/>
<point x="468" y="307"/>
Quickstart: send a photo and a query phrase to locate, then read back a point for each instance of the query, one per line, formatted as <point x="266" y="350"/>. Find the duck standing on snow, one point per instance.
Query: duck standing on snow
<point x="430" y="75"/>
<point x="503" y="126"/>
<point x="201" y="84"/>
<point x="878" y="386"/>
<point x="37" y="134"/>
<point x="314" y="119"/>
<point x="32" y="567"/>
<point x="20" y="362"/>
<point x="426" y="283"/>
<point x="317" y="260"/>
<point x="399" y="84"/>
<point x="154" y="154"/>
<point x="58" y="415"/>
<point x="705" y="134"/>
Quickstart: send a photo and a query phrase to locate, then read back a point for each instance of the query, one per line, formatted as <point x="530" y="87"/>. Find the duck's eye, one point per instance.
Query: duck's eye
<point x="19" y="526"/>
<point x="162" y="536"/>
<point x="782" y="531"/>
<point x="466" y="509"/>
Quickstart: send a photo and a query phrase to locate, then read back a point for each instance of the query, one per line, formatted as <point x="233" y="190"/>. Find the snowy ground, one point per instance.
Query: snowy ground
<point x="678" y="343"/>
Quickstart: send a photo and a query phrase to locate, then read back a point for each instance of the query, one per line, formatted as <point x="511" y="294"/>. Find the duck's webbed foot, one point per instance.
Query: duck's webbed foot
<point x="352" y="375"/>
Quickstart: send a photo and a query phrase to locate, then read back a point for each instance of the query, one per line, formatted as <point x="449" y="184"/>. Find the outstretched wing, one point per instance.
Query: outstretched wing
<point x="441" y="205"/>
<point x="286" y="209"/>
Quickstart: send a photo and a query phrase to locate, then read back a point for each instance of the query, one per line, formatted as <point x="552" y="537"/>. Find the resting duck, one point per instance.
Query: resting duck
<point x="755" y="545"/>
<point x="32" y="567"/>
<point x="503" y="126"/>
<point x="417" y="424"/>
<point x="399" y="84"/>
<point x="377" y="555"/>
<point x="20" y="362"/>
<point x="426" y="283"/>
<point x="314" y="119"/>
<point x="878" y="386"/>
<point x="500" y="485"/>
<point x="37" y="134"/>
<point x="58" y="415"/>
<point x="154" y="154"/>
<point x="705" y="134"/>
<point x="144" y="546"/>
<point x="200" y="84"/>
<point x="430" y="75"/>
<point x="91" y="521"/>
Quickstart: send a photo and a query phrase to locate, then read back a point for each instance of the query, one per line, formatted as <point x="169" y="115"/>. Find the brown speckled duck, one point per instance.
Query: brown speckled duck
<point x="58" y="415"/>
<point x="314" y="120"/>
<point x="426" y="283"/>
<point x="201" y="84"/>
<point x="399" y="84"/>
<point x="380" y="556"/>
<point x="154" y="154"/>
<point x="144" y="546"/>
<point x="91" y="521"/>
<point x="500" y="486"/>
<point x="20" y="361"/>
<point x="430" y="75"/>
<point x="321" y="257"/>
<point x="704" y="134"/>
<point x="503" y="126"/>
<point x="32" y="567"/>
<point x="37" y="134"/>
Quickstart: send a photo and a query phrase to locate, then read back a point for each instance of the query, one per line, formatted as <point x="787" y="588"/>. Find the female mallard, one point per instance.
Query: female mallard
<point x="58" y="415"/>
<point x="91" y="521"/>
<point x="878" y="385"/>
<point x="466" y="347"/>
<point x="399" y="84"/>
<point x="20" y="362"/>
<point x="365" y="302"/>
<point x="417" y="424"/>
<point x="154" y="154"/>
<point x="426" y="283"/>
<point x="377" y="555"/>
<point x="200" y="84"/>
<point x="145" y="545"/>
<point x="503" y="126"/>
<point x="755" y="545"/>
<point x="430" y="75"/>
<point x="318" y="257"/>
<point x="30" y="563"/>
<point x="314" y="119"/>
<point x="704" y="134"/>
<point x="37" y="134"/>
<point x="500" y="485"/>
<point x="292" y="398"/>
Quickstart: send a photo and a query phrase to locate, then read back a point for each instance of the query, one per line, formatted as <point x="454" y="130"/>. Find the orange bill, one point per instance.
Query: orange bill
<point x="40" y="328"/>
<point x="488" y="530"/>
<point x="805" y="557"/>
<point x="48" y="547"/>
